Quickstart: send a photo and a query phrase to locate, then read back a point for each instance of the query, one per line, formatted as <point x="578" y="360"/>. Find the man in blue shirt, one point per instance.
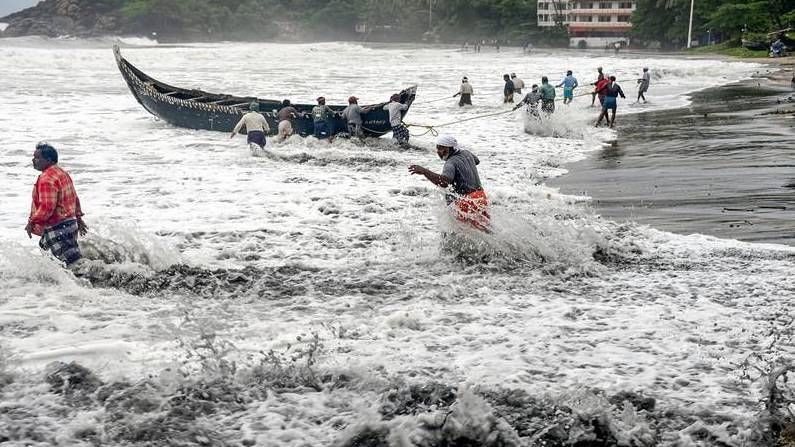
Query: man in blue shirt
<point x="569" y="83"/>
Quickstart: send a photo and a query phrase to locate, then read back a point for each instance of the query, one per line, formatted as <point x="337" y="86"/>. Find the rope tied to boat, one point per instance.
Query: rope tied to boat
<point x="432" y="128"/>
<point x="434" y="100"/>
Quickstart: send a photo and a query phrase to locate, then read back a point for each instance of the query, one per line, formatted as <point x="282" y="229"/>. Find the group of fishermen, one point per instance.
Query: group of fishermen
<point x="606" y="88"/>
<point x="257" y="126"/>
<point x="57" y="217"/>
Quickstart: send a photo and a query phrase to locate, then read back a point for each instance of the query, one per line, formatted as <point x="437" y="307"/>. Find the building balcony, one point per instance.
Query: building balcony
<point x="584" y="26"/>
<point x="612" y="11"/>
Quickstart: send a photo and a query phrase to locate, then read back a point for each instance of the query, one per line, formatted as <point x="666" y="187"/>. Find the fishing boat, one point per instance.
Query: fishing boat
<point x="197" y="109"/>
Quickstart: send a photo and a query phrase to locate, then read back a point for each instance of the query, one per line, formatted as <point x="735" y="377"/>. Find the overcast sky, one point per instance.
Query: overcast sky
<point x="9" y="6"/>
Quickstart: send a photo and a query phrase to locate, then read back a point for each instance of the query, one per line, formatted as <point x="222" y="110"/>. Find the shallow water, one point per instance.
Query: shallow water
<point x="298" y="297"/>
<point x="722" y="166"/>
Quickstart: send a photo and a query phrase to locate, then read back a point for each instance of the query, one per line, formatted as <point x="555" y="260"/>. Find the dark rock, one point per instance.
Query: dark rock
<point x="53" y="18"/>
<point x="121" y="399"/>
<point x="368" y="436"/>
<point x="417" y="398"/>
<point x="637" y="400"/>
<point x="206" y="397"/>
<point x="71" y="378"/>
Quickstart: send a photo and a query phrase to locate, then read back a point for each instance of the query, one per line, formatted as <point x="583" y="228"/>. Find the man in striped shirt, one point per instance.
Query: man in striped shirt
<point x="55" y="213"/>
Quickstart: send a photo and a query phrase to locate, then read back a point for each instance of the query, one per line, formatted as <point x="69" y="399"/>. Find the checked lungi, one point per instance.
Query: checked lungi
<point x="400" y="134"/>
<point x="61" y="240"/>
<point x="355" y="130"/>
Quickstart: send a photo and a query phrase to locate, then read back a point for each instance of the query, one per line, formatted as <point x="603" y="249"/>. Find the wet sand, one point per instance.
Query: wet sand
<point x="722" y="166"/>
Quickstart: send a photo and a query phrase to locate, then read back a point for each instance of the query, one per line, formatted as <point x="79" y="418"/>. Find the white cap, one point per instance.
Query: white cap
<point x="446" y="141"/>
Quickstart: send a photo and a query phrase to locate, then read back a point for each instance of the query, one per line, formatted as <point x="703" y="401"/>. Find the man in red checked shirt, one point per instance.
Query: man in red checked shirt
<point x="55" y="214"/>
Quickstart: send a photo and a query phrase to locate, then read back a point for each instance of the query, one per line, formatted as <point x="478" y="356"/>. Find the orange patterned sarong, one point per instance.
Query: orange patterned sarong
<point x="473" y="209"/>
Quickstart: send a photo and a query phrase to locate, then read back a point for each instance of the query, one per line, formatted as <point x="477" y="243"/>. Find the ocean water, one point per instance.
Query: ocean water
<point x="720" y="166"/>
<point x="308" y="296"/>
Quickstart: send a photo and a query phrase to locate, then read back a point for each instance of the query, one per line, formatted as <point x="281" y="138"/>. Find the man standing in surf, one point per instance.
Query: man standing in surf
<point x="643" y="85"/>
<point x="400" y="133"/>
<point x="256" y="126"/>
<point x="470" y="204"/>
<point x="55" y="213"/>
<point x="612" y="92"/>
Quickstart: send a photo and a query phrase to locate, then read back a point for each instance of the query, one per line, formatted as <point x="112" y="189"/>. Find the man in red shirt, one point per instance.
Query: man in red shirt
<point x="601" y="85"/>
<point x="55" y="214"/>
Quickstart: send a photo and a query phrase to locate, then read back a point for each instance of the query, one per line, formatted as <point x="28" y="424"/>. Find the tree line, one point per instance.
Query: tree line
<point x="402" y="20"/>
<point x="667" y="21"/>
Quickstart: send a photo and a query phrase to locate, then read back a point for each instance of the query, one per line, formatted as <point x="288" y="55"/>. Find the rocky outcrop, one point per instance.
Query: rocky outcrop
<point x="53" y="18"/>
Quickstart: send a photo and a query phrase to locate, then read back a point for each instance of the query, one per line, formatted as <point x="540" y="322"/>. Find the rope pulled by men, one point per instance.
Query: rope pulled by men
<point x="432" y="128"/>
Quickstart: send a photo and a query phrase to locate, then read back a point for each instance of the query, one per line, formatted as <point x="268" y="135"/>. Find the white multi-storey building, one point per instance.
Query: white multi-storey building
<point x="591" y="24"/>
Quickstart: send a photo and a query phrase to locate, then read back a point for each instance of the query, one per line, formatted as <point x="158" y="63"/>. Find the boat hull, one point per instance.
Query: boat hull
<point x="196" y="109"/>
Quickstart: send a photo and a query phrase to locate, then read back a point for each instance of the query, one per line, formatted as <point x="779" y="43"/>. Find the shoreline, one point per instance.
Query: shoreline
<point x="632" y="178"/>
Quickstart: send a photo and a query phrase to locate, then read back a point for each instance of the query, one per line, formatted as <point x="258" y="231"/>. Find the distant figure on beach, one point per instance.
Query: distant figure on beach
<point x="531" y="99"/>
<point x="547" y="92"/>
<point x="353" y="116"/>
<point x="643" y="84"/>
<point x="400" y="133"/>
<point x="321" y="114"/>
<point x="55" y="213"/>
<point x="507" y="90"/>
<point x="286" y="116"/>
<point x="466" y="91"/>
<point x="616" y="47"/>
<point x="470" y="204"/>
<point x="599" y="77"/>
<point x="612" y="91"/>
<point x="256" y="126"/>
<point x="518" y="84"/>
<point x="569" y="83"/>
<point x="777" y="48"/>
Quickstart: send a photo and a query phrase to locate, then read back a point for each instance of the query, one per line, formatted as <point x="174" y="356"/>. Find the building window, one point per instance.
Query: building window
<point x="586" y="18"/>
<point x="604" y="19"/>
<point x="605" y="5"/>
<point x="625" y="5"/>
<point x="624" y="19"/>
<point x="586" y="5"/>
<point x="543" y="6"/>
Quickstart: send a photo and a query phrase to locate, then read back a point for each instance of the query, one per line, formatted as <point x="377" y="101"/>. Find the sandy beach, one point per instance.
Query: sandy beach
<point x="721" y="166"/>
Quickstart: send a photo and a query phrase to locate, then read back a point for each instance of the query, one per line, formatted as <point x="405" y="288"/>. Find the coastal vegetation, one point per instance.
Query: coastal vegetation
<point x="656" y="23"/>
<point x="714" y="21"/>
<point x="390" y="20"/>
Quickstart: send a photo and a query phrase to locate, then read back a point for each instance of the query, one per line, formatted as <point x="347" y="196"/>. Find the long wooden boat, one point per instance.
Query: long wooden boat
<point x="197" y="109"/>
